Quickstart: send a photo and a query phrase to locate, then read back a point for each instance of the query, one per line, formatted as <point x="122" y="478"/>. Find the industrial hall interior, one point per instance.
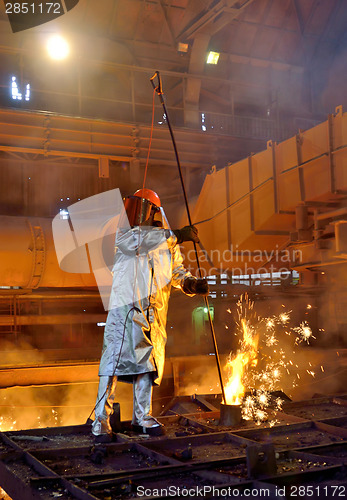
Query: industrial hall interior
<point x="173" y="249"/>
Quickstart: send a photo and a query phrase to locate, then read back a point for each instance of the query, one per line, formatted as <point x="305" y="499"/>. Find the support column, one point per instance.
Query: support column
<point x="193" y="84"/>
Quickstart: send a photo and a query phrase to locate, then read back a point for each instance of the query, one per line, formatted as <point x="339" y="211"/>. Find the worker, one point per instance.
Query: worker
<point x="147" y="263"/>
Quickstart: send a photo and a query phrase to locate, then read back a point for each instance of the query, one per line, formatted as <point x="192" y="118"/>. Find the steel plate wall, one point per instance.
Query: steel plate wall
<point x="253" y="201"/>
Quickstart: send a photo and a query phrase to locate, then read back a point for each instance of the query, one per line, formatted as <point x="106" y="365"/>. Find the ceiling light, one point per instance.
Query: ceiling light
<point x="182" y="47"/>
<point x="213" y="57"/>
<point x="57" y="47"/>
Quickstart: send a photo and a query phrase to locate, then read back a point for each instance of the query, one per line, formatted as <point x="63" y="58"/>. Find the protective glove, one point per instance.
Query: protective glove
<point x="187" y="233"/>
<point x="196" y="286"/>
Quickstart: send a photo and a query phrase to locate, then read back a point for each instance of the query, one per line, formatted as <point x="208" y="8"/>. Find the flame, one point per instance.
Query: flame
<point x="236" y="366"/>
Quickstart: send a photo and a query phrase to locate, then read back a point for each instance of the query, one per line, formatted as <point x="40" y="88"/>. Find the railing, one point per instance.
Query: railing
<point x="248" y="127"/>
<point x="290" y="277"/>
<point x="241" y="126"/>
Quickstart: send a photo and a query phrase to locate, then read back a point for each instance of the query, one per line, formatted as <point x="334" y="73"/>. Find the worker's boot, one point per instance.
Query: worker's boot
<point x="101" y="427"/>
<point x="143" y="421"/>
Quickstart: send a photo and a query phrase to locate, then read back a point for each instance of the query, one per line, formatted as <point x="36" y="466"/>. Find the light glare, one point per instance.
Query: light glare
<point x="15" y="92"/>
<point x="57" y="47"/>
<point x="212" y="57"/>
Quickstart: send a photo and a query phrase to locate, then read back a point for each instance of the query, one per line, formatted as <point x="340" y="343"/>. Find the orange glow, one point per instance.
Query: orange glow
<point x="4" y="495"/>
<point x="236" y="366"/>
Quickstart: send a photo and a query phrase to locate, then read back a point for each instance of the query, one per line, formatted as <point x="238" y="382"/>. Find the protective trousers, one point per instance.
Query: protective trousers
<point x="142" y="403"/>
<point x="104" y="405"/>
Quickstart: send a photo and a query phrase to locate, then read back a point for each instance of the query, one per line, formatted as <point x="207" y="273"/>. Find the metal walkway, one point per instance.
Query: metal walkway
<point x="307" y="448"/>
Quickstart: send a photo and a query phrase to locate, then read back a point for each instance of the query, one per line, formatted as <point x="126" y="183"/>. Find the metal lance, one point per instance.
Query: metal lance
<point x="158" y="88"/>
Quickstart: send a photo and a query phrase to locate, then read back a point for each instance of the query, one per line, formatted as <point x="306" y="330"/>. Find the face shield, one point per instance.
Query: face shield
<point x="139" y="211"/>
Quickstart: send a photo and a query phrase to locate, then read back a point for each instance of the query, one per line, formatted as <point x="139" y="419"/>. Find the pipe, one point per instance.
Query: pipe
<point x="331" y="215"/>
<point x="48" y="375"/>
<point x="28" y="258"/>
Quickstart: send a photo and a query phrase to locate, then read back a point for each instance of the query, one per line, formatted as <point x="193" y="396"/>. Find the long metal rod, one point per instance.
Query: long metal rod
<point x="159" y="91"/>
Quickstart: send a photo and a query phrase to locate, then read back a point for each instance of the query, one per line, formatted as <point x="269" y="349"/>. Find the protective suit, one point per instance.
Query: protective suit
<point x="147" y="263"/>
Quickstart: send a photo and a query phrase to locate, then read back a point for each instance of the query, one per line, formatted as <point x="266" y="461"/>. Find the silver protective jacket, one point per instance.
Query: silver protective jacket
<point x="147" y="263"/>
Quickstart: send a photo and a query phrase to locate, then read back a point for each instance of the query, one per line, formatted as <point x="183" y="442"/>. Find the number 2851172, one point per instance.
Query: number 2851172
<point x="34" y="8"/>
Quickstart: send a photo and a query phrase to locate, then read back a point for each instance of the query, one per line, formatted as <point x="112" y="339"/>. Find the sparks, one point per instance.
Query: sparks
<point x="271" y="340"/>
<point x="260" y="416"/>
<point x="279" y="403"/>
<point x="284" y="318"/>
<point x="304" y="333"/>
<point x="270" y="323"/>
<point x="263" y="398"/>
<point x="257" y="366"/>
<point x="249" y="402"/>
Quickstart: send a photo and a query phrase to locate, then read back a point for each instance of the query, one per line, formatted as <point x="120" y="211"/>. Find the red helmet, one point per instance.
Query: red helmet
<point x="141" y="207"/>
<point x="148" y="195"/>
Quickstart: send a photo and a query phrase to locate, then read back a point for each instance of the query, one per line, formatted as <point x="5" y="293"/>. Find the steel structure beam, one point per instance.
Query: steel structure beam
<point x="202" y="22"/>
<point x="24" y="133"/>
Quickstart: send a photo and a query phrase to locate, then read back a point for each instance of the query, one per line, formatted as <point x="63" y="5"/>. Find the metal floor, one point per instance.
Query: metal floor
<point x="306" y="448"/>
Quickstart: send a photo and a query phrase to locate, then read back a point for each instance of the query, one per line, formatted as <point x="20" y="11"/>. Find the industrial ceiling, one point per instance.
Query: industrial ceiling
<point x="281" y="67"/>
<point x="274" y="56"/>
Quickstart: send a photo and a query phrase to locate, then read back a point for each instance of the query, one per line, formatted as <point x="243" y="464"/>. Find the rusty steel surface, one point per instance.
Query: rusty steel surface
<point x="196" y="452"/>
